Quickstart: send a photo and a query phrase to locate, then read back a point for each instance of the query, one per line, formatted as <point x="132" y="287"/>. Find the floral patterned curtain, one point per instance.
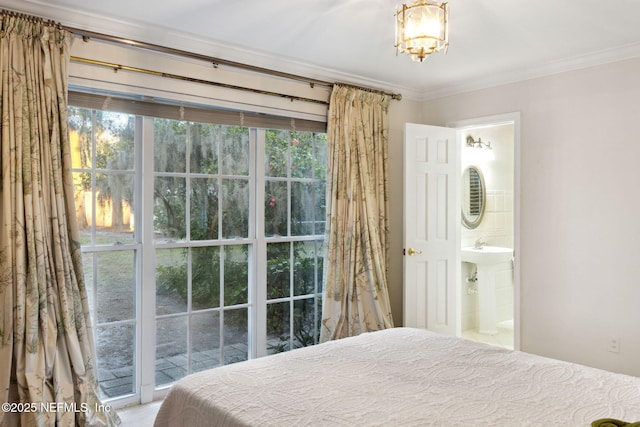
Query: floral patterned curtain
<point x="356" y="296"/>
<point x="47" y="358"/>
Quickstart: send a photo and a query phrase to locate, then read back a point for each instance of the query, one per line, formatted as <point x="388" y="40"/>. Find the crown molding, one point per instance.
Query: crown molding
<point x="578" y="62"/>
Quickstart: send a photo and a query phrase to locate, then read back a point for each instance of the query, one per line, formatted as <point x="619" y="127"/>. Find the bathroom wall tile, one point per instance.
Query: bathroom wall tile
<point x="504" y="274"/>
<point x="501" y="221"/>
<point x="504" y="312"/>
<point x="502" y="297"/>
<point x="488" y="224"/>
<point x="468" y="321"/>
<point x="499" y="201"/>
<point x="509" y="222"/>
<point x="508" y="201"/>
<point x="491" y="203"/>
<point x="470" y="305"/>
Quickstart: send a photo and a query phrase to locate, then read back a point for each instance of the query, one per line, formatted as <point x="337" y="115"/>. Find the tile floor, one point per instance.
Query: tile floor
<point x="139" y="415"/>
<point x="504" y="337"/>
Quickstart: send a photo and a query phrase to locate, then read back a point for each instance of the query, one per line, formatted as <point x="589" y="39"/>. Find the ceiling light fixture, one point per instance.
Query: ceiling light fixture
<point x="422" y="28"/>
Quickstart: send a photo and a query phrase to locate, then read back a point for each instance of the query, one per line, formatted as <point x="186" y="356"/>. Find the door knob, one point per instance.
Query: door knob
<point x="412" y="252"/>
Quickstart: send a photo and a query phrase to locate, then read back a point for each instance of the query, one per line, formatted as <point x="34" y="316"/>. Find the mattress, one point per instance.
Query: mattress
<point x="400" y="377"/>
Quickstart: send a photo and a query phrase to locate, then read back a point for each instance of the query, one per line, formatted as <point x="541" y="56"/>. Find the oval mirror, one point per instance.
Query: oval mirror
<point x="473" y="197"/>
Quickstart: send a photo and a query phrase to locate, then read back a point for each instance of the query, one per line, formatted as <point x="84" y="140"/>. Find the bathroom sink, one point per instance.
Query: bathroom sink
<point x="486" y="260"/>
<point x="487" y="255"/>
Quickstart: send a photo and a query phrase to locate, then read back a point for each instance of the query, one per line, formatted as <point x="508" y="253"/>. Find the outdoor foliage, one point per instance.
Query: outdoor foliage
<point x="217" y="184"/>
<point x="202" y="196"/>
<point x="202" y="175"/>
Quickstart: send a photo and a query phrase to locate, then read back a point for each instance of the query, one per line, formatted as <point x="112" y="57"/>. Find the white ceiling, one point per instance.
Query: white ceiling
<point x="491" y="41"/>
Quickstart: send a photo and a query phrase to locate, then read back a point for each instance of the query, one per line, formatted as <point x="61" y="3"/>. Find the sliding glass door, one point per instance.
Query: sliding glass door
<point x="202" y="242"/>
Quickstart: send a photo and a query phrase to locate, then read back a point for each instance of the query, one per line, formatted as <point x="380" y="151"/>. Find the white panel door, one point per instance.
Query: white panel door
<point x="431" y="228"/>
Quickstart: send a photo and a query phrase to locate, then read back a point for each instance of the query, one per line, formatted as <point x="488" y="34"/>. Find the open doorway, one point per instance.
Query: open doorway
<point x="489" y="309"/>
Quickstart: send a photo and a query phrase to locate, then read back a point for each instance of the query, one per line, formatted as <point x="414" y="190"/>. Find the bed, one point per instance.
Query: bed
<point x="401" y="377"/>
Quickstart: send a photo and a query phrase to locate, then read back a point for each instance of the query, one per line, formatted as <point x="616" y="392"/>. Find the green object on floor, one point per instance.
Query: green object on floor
<point x="612" y="422"/>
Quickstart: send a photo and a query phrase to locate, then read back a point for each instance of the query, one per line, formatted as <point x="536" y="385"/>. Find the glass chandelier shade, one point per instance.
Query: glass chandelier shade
<point x="421" y="29"/>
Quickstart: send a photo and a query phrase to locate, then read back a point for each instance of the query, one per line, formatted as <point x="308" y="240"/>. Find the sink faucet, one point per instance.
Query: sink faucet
<point x="480" y="243"/>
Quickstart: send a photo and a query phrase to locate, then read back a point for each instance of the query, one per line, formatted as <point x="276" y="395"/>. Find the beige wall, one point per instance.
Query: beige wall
<point x="579" y="233"/>
<point x="399" y="114"/>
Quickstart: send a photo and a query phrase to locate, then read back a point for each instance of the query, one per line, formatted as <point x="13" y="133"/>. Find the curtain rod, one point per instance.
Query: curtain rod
<point x="30" y="18"/>
<point x="117" y="67"/>
<point x="86" y="35"/>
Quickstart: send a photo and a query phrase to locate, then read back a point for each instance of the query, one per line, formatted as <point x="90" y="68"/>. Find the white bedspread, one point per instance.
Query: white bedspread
<point x="401" y="377"/>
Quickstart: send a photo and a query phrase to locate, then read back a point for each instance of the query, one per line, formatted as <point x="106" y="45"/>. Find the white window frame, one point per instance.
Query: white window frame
<point x="145" y="389"/>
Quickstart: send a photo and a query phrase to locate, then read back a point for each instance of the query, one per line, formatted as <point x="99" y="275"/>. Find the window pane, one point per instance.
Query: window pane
<point x="278" y="278"/>
<point x="171" y="281"/>
<point x="169" y="208"/>
<point x="304" y="323"/>
<point x="205" y="341"/>
<point x="169" y="145"/>
<point x="87" y="268"/>
<point x="116" y="286"/>
<point x="114" y="214"/>
<point x="115" y="350"/>
<point x="302" y="161"/>
<point x="171" y="349"/>
<point x="275" y="208"/>
<point x="235" y="208"/>
<point x="80" y="137"/>
<point x="236" y="335"/>
<point x="319" y="264"/>
<point x="319" y="212"/>
<point x="320" y="145"/>
<point x="236" y="275"/>
<point x="278" y="327"/>
<point x="204" y="148"/>
<point x="114" y="140"/>
<point x="83" y="197"/>
<point x="304" y="268"/>
<point x="318" y="317"/>
<point x="302" y="208"/>
<point x="204" y="209"/>
<point x="277" y="153"/>
<point x="235" y="150"/>
<point x="205" y="282"/>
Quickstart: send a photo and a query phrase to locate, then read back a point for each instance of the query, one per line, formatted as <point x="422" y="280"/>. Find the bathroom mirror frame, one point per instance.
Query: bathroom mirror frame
<point x="474" y="203"/>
